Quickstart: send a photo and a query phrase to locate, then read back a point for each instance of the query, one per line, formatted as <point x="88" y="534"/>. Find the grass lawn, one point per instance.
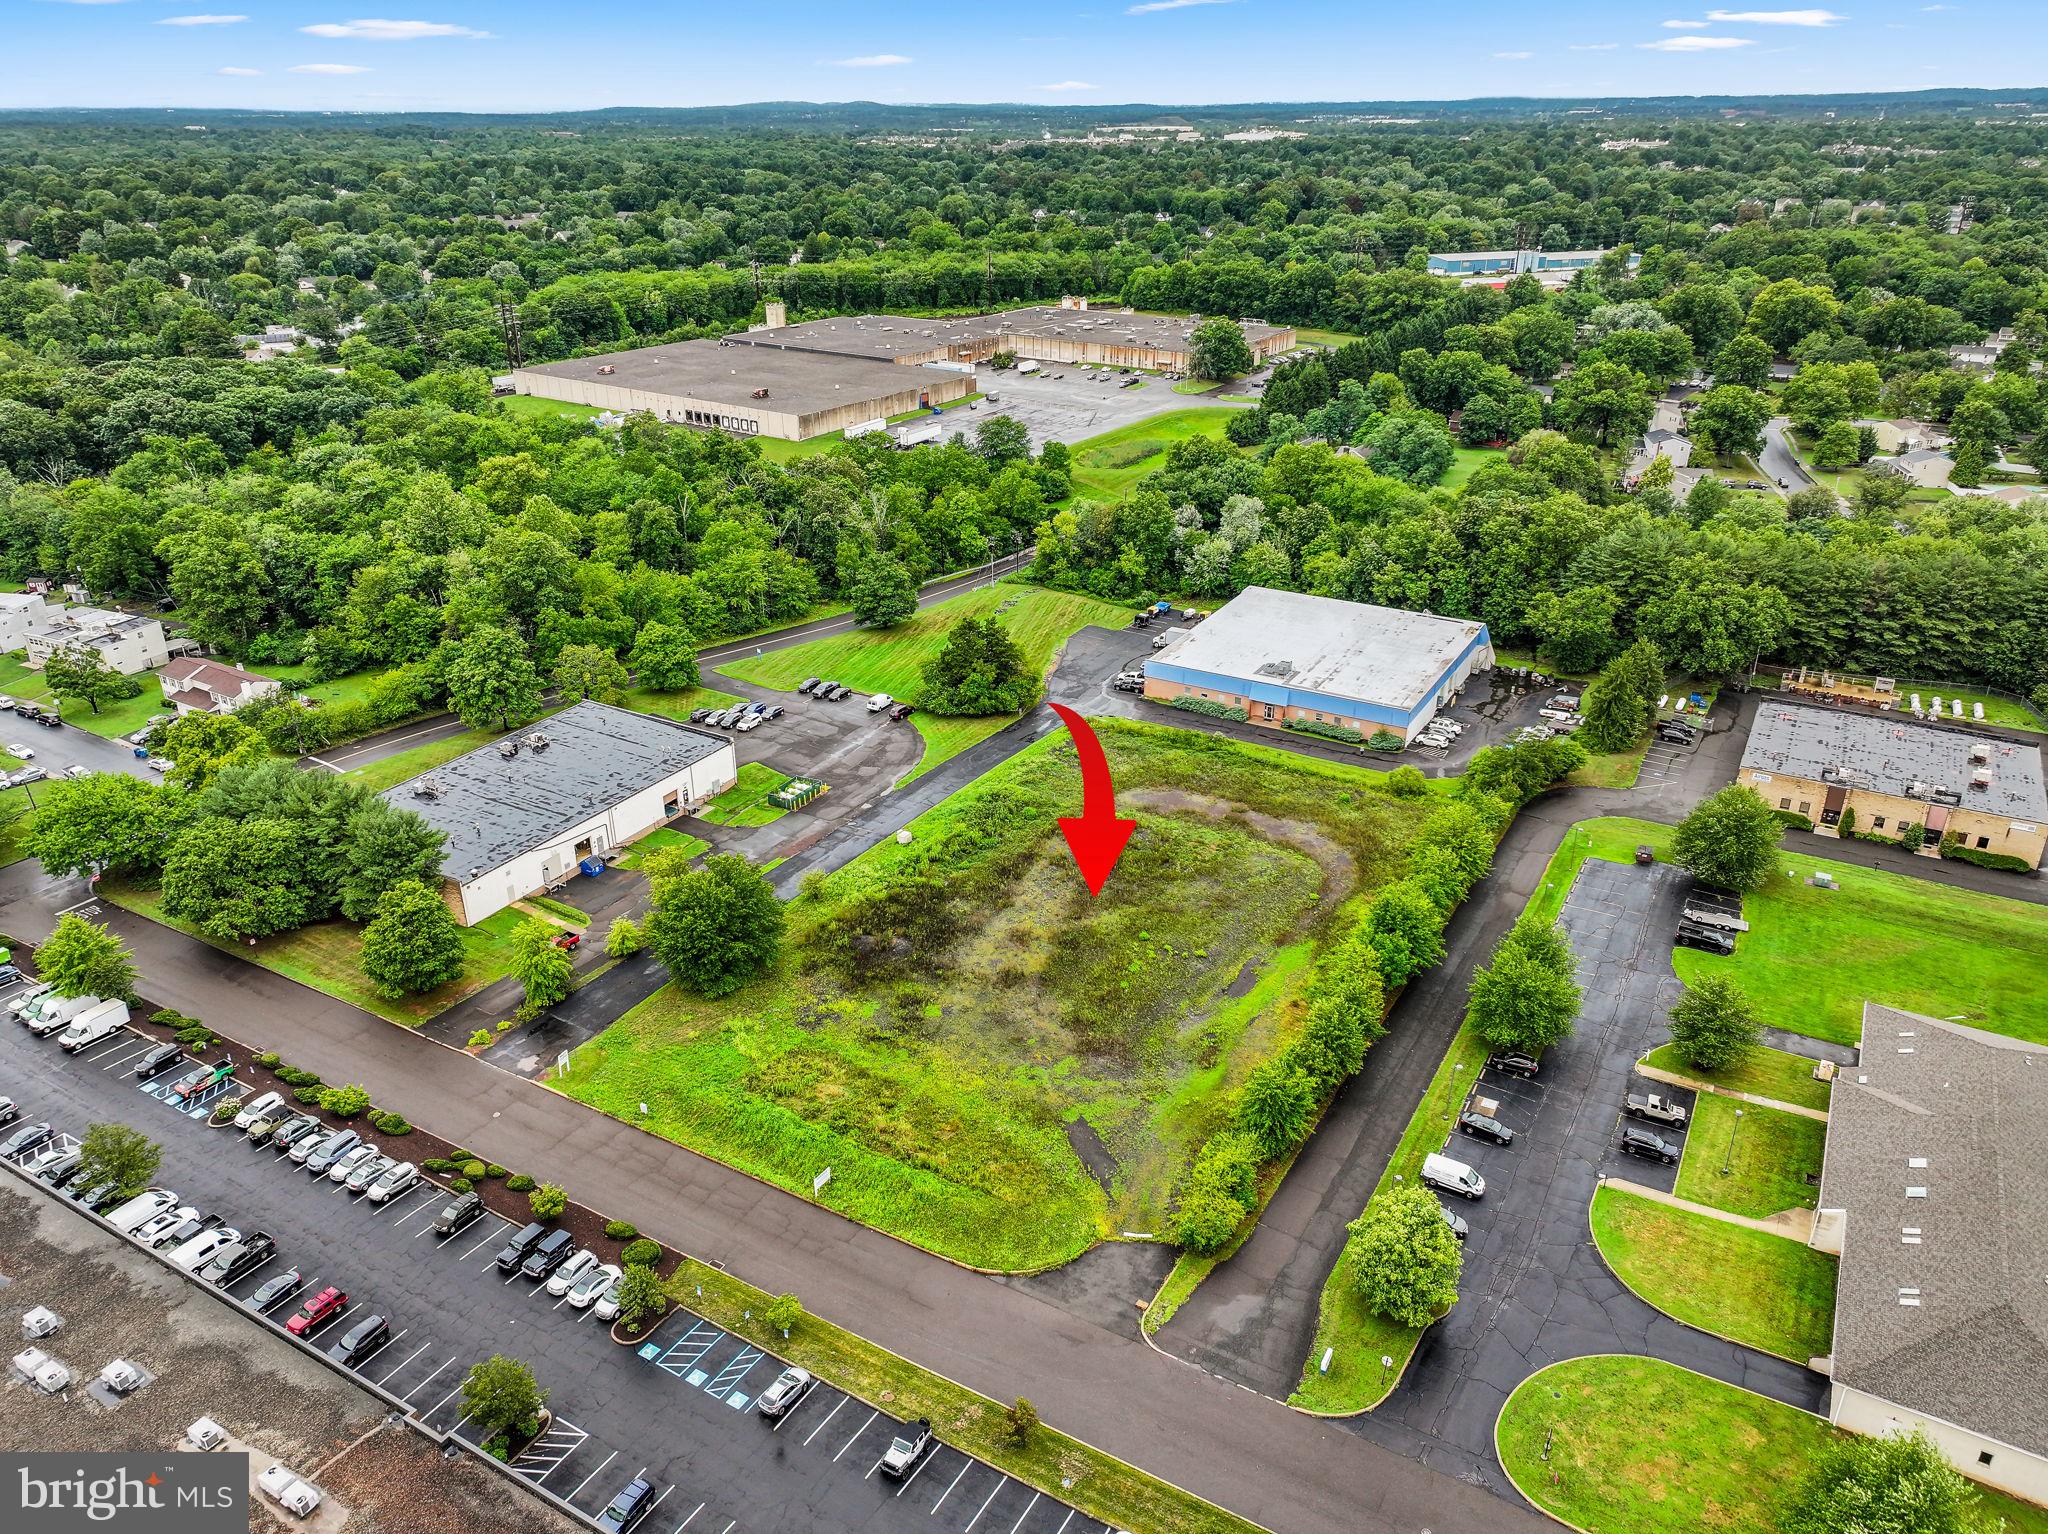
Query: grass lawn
<point x="661" y="839"/>
<point x="560" y="908"/>
<point x="1466" y="462"/>
<point x="892" y="660"/>
<point x="746" y="802"/>
<point x="1768" y="1152"/>
<point x="1639" y="1446"/>
<point x="1765" y="1072"/>
<point x="124" y="716"/>
<point x="955" y="1024"/>
<point x="677" y="705"/>
<point x="328" y="956"/>
<point x="1764" y="1291"/>
<point x="1106" y="467"/>
<point x="1314" y="336"/>
<point x="534" y="405"/>
<point x="777" y="450"/>
<point x="396" y="768"/>
<point x="1198" y="385"/>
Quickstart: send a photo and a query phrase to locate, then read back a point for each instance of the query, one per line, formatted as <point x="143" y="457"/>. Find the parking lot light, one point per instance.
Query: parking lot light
<point x="1728" y="1161"/>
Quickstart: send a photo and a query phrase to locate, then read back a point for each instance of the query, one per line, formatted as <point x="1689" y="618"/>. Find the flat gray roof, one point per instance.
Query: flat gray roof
<point x="1890" y="753"/>
<point x="894" y="335"/>
<point x="1955" y="1112"/>
<point x="492" y="807"/>
<point x="798" y="383"/>
<point x="1382" y="655"/>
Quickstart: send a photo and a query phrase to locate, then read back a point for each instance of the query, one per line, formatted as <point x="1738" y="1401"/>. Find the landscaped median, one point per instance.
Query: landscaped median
<point x="1615" y="1445"/>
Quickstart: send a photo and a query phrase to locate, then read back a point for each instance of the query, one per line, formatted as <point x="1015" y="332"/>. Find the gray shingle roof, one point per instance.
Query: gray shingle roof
<point x="492" y="807"/>
<point x="1888" y="753"/>
<point x="1974" y="1350"/>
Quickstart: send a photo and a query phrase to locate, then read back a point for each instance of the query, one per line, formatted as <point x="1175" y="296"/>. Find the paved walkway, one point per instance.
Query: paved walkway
<point x="1793" y="1224"/>
<point x="1678" y="1079"/>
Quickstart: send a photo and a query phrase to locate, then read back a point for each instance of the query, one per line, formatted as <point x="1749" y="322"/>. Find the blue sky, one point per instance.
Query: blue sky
<point x="515" y="55"/>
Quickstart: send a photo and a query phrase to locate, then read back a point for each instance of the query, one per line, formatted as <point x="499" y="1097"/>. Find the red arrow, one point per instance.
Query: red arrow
<point x="1098" y="835"/>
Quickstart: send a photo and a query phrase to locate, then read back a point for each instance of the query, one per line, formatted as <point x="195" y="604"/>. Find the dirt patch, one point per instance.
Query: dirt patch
<point x="1340" y="870"/>
<point x="1093" y="1153"/>
<point x="1246" y="979"/>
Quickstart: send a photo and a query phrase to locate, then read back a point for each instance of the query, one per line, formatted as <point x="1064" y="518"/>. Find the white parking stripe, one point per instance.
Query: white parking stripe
<point x="664" y="1492"/>
<point x="407" y="1397"/>
<point x="686" y="1522"/>
<point x="1025" y="1514"/>
<point x="914" y="1474"/>
<point x="828" y="1417"/>
<point x="415" y="1353"/>
<point x="380" y="1347"/>
<point x="445" y="1399"/>
<point x="856" y="1435"/>
<point x="950" y="1485"/>
<point x="1001" y="1482"/>
<point x="1062" y="1529"/>
<point x="493" y="1236"/>
<point x="421" y="1207"/>
<point x="587" y="1479"/>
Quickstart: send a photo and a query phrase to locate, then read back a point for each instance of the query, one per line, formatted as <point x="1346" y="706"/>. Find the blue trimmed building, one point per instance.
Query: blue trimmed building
<point x="1283" y="655"/>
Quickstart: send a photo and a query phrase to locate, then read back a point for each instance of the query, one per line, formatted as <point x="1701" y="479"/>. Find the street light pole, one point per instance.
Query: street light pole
<point x="1728" y="1161"/>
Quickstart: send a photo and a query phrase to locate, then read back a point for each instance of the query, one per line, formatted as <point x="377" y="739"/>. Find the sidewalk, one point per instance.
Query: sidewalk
<point x="1793" y="1224"/>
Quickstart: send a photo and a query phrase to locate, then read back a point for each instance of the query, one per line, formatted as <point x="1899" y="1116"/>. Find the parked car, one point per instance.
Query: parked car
<point x="293" y="1130"/>
<point x="1484" y="1126"/>
<point x="570" y="1269"/>
<point x="158" y="764"/>
<point x="825" y="689"/>
<point x="1691" y="934"/>
<point x="901" y="712"/>
<point x="1457" y="1222"/>
<point x="460" y="1213"/>
<point x="49" y="1013"/>
<point x="152" y="1230"/>
<point x="1655" y="1108"/>
<point x="9" y="1110"/>
<point x="772" y="711"/>
<point x="548" y="1254"/>
<point x="634" y="1502"/>
<point x="18" y="749"/>
<point x="275" y="1288"/>
<point x="910" y="1444"/>
<point x="1129" y="681"/>
<point x="1512" y="1062"/>
<point x="841" y="693"/>
<point x="879" y="702"/>
<point x="1646" y="1143"/>
<point x="50" y="1158"/>
<point x="155" y="1062"/>
<point x="786" y="1393"/>
<point x="18" y="1003"/>
<point x="357" y="1170"/>
<point x="699" y="715"/>
<point x="194" y="1082"/>
<point x="100" y="1196"/>
<point x="94" y="1026"/>
<point x="237" y="1259"/>
<point x="807" y="684"/>
<point x="192" y="1225"/>
<point x="360" y="1341"/>
<point x="322" y="1307"/>
<point x="514" y="1251"/>
<point x="193" y="1253"/>
<point x="264" y="1107"/>
<point x="1440" y="1171"/>
<point x="608" y="1302"/>
<point x="595" y="1281"/>
<point x="748" y="722"/>
<point x="23" y="1140"/>
<point x="321" y="1159"/>
<point x="145" y="1206"/>
<point x="397" y="1177"/>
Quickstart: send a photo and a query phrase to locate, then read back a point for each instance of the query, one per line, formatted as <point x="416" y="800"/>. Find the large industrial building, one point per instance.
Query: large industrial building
<point x="1934" y="1195"/>
<point x="521" y="814"/>
<point x="1892" y="772"/>
<point x="750" y="391"/>
<point x="1069" y="332"/>
<point x="1282" y="656"/>
<point x="1492" y="268"/>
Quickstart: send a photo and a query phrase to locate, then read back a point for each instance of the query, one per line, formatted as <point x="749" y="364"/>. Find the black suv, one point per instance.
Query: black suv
<point x="1677" y="734"/>
<point x="461" y="1210"/>
<point x="807" y="684"/>
<point x="1485" y="1127"/>
<point x="1514" y="1063"/>
<point x="236" y="1260"/>
<point x="635" y="1501"/>
<point x="1647" y="1144"/>
<point x="156" y="1061"/>
<point x="360" y="1341"/>
<point x="552" y="1252"/>
<point x="513" y="1252"/>
<point x="1692" y="934"/>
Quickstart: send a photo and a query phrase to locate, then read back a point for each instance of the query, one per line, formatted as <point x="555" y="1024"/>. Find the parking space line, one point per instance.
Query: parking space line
<point x="1025" y="1514"/>
<point x="494" y="1235"/>
<point x="1001" y="1482"/>
<point x="407" y="1397"/>
<point x="285" y="1298"/>
<point x="791" y="1412"/>
<point x="1062" y="1529"/>
<point x="590" y="1477"/>
<point x="686" y="1522"/>
<point x="856" y="1435"/>
<point x="415" y="1353"/>
<point x="828" y="1417"/>
<point x="664" y="1492"/>
<point x="736" y="1369"/>
<point x="918" y="1469"/>
<point x="424" y="1203"/>
<point x="951" y="1484"/>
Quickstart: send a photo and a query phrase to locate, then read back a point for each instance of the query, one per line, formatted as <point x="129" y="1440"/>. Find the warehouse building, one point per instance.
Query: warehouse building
<point x="1934" y="1195"/>
<point x="1067" y="332"/>
<point x="1893" y="772"/>
<point x="1282" y="656"/>
<point x="750" y="391"/>
<point x="521" y="814"/>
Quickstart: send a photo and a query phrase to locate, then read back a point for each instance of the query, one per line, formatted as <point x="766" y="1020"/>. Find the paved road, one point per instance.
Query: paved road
<point x="1779" y="461"/>
<point x="1088" y="1374"/>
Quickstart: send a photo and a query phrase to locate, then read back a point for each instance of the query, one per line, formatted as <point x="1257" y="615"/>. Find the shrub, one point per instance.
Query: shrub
<point x="1323" y="731"/>
<point x="390" y="1123"/>
<point x="268" y="1059"/>
<point x="1847" y="824"/>
<point x="293" y="1076"/>
<point x="1276" y="1104"/>
<point x="1792" y="820"/>
<point x="1407" y="783"/>
<point x="310" y="1096"/>
<point x="2004" y="862"/>
<point x="1208" y="706"/>
<point x="642" y="1253"/>
<point x="168" y="1018"/>
<point x="345" y="1102"/>
<point x="519" y="1182"/>
<point x="472" y="1169"/>
<point x="223" y="1111"/>
<point x="492" y="1169"/>
<point x="1206" y="1221"/>
<point x="459" y="1184"/>
<point x="480" y="1038"/>
<point x="1383" y="740"/>
<point x="547" y="1201"/>
<point x="1227" y="1164"/>
<point x="620" y="1230"/>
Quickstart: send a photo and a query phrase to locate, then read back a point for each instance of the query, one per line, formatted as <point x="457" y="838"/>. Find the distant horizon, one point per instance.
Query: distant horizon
<point x="520" y="57"/>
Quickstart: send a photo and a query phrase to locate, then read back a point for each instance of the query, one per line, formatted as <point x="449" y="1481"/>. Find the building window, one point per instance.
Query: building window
<point x="1983" y="842"/>
<point x="1785" y="803"/>
<point x="1877" y="823"/>
<point x="1983" y="1456"/>
<point x="1806" y="806"/>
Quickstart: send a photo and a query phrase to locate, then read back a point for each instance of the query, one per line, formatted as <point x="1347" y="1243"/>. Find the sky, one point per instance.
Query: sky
<point x="527" y="55"/>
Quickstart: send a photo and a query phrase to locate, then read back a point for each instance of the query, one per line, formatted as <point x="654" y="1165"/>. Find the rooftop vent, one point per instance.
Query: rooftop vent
<point x="1981" y="751"/>
<point x="1916" y="1161"/>
<point x="508" y="749"/>
<point x="536" y="741"/>
<point x="1916" y="1192"/>
<point x="1277" y="668"/>
<point x="1981" y="779"/>
<point x="427" y="787"/>
<point x="607" y="368"/>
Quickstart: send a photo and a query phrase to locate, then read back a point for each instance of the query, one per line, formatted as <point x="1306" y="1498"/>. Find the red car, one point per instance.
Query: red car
<point x="570" y="940"/>
<point x="314" y="1311"/>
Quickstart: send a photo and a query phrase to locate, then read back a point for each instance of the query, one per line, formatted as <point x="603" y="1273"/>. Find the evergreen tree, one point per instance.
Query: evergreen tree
<point x="1622" y="700"/>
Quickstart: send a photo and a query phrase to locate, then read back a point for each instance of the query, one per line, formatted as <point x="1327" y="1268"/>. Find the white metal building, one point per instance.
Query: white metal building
<point x="522" y="813"/>
<point x="130" y="642"/>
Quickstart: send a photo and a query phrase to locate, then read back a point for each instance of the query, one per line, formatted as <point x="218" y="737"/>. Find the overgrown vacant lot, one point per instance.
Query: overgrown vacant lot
<point x="994" y="1065"/>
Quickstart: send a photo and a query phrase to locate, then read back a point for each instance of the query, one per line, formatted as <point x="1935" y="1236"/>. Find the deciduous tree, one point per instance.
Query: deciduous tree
<point x="117" y="1154"/>
<point x="1713" y="1025"/>
<point x="82" y="959"/>
<point x="1729" y="841"/>
<point x="716" y="927"/>
<point x="664" y="657"/>
<point x="491" y="683"/>
<point x="1404" y="1259"/>
<point x="412" y="943"/>
<point x="979" y="670"/>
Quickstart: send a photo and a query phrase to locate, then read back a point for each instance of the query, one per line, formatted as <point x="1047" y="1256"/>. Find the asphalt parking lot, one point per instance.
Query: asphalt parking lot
<point x="677" y="1408"/>
<point x="70" y="746"/>
<point x="1081" y="404"/>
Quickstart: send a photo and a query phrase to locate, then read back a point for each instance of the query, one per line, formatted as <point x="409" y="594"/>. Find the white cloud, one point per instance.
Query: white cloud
<point x="1515" y="55"/>
<point x="1070" y="85"/>
<point x="1169" y="5"/>
<point x="371" y="30"/>
<point x="330" y="69"/>
<point x="1687" y="26"/>
<point x="200" y="21"/>
<point x="1780" y="18"/>
<point x="872" y="61"/>
<point x="1594" y="47"/>
<point x="237" y="71"/>
<point x="1696" y="44"/>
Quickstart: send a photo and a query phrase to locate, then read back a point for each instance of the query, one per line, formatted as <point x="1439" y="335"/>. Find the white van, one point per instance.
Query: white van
<point x="142" y="1208"/>
<point x="49" y="1012"/>
<point x="878" y="702"/>
<point x="1452" y="1177"/>
<point x="102" y="1022"/>
<point x="24" y="998"/>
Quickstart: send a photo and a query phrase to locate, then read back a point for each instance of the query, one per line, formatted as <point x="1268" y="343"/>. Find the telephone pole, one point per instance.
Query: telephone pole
<point x="508" y="322"/>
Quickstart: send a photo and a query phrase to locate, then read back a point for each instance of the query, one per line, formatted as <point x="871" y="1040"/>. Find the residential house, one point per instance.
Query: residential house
<point x="1657" y="444"/>
<point x="198" y="686"/>
<point x="1924" y="467"/>
<point x="1901" y="435"/>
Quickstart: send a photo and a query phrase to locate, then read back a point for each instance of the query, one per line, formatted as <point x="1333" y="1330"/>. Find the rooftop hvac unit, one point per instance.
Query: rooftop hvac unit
<point x="122" y="1376"/>
<point x="536" y="741"/>
<point x="1981" y="778"/>
<point x="40" y="1322"/>
<point x="43" y="1371"/>
<point x="508" y="749"/>
<point x="427" y="787"/>
<point x="206" y="1434"/>
<point x="1981" y="751"/>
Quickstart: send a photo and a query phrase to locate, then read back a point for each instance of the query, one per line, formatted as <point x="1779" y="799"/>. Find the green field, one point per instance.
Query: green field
<point x="746" y="802"/>
<point x="1769" y="1155"/>
<point x="1762" y="1290"/>
<point x="534" y="405"/>
<point x="328" y="956"/>
<point x="892" y="660"/>
<point x="661" y="839"/>
<point x="1199" y="385"/>
<point x="1763" y="1072"/>
<point x="1108" y="466"/>
<point x="1467" y="462"/>
<point x="947" y="1012"/>
<point x="1639" y="1446"/>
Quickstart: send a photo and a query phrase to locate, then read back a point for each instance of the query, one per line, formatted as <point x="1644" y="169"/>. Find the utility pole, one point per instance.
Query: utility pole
<point x="508" y="323"/>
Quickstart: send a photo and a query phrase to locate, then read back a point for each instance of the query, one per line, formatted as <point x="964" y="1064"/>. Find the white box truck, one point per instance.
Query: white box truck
<point x="102" y="1022"/>
<point x="49" y="1012"/>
